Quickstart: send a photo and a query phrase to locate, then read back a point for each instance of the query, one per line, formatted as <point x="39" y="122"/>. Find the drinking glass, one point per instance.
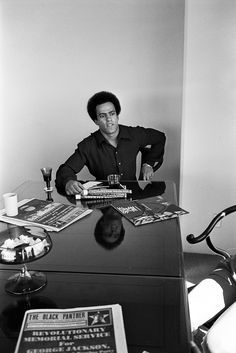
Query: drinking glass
<point x="47" y="175"/>
<point x="113" y="180"/>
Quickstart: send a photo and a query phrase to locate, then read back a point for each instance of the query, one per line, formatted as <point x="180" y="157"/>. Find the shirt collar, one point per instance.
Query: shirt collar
<point x="123" y="134"/>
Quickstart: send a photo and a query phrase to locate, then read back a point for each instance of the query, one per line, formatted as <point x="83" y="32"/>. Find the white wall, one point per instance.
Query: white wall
<point x="56" y="53"/>
<point x="208" y="168"/>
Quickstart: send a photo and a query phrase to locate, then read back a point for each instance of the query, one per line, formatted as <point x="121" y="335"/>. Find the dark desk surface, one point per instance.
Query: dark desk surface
<point x="151" y="249"/>
<point x="144" y="274"/>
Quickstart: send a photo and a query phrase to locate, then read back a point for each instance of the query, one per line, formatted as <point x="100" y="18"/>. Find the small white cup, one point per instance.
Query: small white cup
<point x="10" y="204"/>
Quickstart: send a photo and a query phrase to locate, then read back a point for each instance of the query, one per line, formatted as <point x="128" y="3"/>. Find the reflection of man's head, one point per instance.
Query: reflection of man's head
<point x="109" y="231"/>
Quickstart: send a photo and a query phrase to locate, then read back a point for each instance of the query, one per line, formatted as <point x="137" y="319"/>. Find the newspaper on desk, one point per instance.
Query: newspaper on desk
<point x="97" y="329"/>
<point x="53" y="216"/>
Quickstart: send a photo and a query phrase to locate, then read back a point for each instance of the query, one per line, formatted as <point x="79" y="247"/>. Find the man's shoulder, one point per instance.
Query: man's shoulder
<point x="91" y="139"/>
<point x="129" y="129"/>
<point x="136" y="132"/>
<point x="132" y="129"/>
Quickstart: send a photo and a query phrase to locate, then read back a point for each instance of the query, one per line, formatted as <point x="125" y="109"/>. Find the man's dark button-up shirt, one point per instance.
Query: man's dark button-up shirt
<point x="102" y="159"/>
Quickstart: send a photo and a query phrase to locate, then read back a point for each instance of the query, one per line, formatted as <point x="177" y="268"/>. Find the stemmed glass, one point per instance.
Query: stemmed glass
<point x="20" y="245"/>
<point x="47" y="176"/>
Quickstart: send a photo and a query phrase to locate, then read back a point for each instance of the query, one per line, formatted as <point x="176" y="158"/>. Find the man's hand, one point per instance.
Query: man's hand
<point x="147" y="172"/>
<point x="73" y="187"/>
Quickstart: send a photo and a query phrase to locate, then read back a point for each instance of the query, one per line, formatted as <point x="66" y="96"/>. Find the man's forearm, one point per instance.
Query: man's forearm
<point x="63" y="175"/>
<point x="154" y="154"/>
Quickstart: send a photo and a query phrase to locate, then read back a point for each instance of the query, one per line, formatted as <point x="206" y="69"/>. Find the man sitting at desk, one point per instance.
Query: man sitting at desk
<point x="112" y="149"/>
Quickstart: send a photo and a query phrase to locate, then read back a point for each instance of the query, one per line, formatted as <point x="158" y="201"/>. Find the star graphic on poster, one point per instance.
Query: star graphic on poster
<point x="98" y="318"/>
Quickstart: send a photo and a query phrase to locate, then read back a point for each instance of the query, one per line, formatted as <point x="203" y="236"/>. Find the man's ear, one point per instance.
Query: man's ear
<point x="96" y="121"/>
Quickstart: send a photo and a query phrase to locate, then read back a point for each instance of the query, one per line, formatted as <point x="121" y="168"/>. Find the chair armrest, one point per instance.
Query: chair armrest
<point x="206" y="234"/>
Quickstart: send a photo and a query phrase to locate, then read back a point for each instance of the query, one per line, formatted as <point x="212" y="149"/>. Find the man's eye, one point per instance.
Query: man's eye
<point x="102" y="116"/>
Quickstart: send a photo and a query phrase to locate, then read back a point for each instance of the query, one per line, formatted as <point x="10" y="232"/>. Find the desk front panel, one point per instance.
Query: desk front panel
<point x="154" y="308"/>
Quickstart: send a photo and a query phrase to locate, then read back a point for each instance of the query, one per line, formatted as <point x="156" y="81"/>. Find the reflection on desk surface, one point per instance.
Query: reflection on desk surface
<point x="140" y="268"/>
<point x="153" y="308"/>
<point x="109" y="231"/>
<point x="12" y="315"/>
<point x="151" y="249"/>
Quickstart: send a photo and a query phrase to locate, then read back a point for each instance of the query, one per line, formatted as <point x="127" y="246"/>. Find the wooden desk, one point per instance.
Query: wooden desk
<point x="144" y="274"/>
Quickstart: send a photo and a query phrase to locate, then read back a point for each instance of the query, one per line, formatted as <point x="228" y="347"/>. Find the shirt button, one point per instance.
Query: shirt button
<point x="119" y="163"/>
<point x="121" y="174"/>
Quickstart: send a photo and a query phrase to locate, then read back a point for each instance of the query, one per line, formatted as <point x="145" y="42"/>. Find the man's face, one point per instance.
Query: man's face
<point x="107" y="119"/>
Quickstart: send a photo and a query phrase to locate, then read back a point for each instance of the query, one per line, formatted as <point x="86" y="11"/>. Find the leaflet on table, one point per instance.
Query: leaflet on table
<point x="92" y="184"/>
<point x="53" y="216"/>
<point x="149" y="210"/>
<point x="90" y="329"/>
